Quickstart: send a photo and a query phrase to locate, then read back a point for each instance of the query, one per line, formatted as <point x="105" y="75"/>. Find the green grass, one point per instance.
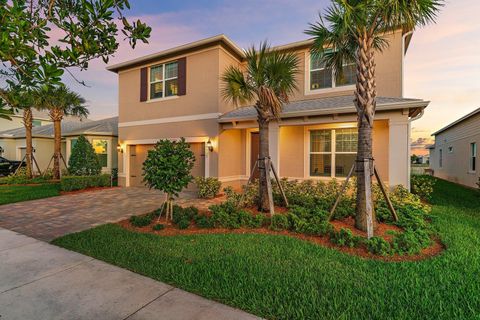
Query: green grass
<point x="279" y="277"/>
<point x="17" y="193"/>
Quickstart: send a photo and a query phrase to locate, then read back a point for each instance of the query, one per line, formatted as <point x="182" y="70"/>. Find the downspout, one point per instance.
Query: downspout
<point x="409" y="166"/>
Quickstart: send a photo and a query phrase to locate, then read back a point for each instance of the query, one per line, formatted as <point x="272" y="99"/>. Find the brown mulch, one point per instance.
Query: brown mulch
<point x="85" y="190"/>
<point x="382" y="230"/>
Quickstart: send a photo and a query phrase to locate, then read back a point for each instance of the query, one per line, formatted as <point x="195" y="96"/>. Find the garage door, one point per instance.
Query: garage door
<point x="138" y="154"/>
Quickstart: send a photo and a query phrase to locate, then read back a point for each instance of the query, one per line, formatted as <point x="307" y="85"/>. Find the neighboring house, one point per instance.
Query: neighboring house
<point x="103" y="134"/>
<point x="40" y="118"/>
<point x="177" y="93"/>
<point x="454" y="155"/>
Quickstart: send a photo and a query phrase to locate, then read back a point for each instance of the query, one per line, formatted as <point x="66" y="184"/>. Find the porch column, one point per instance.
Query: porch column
<point x="399" y="153"/>
<point x="274" y="143"/>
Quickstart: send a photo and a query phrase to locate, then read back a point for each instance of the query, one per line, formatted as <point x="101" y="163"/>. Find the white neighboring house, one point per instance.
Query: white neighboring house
<point x="40" y="118"/>
<point x="102" y="134"/>
<point x="454" y="154"/>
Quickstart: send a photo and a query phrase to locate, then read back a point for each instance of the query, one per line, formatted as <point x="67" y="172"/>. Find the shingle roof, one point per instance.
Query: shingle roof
<point x="69" y="128"/>
<point x="331" y="105"/>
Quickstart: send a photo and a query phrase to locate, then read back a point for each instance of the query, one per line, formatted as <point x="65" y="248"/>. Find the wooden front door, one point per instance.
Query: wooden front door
<point x="254" y="152"/>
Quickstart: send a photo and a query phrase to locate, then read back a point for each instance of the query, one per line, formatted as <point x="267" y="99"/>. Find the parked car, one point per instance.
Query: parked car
<point x="9" y="166"/>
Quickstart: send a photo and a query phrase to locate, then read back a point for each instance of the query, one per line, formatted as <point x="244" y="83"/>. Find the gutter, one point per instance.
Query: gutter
<point x="349" y="109"/>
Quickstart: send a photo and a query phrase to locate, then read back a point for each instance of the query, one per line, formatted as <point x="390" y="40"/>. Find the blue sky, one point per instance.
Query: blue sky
<point x="441" y="65"/>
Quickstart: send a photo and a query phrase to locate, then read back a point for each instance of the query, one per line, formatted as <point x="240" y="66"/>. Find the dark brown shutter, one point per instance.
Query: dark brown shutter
<point x="182" y="76"/>
<point x="143" y="84"/>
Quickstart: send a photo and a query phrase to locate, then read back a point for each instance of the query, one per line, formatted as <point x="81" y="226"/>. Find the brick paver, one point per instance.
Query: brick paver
<point x="47" y="219"/>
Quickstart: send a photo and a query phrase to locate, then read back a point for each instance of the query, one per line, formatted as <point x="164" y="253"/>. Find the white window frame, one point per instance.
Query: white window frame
<point x="473" y="157"/>
<point x="333" y="152"/>
<point x="334" y="88"/>
<point x="164" y="80"/>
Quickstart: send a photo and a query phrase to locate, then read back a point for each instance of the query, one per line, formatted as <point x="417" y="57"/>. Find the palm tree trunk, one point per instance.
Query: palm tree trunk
<point x="264" y="152"/>
<point x="27" y="122"/>
<point x="57" y="116"/>
<point x="365" y="101"/>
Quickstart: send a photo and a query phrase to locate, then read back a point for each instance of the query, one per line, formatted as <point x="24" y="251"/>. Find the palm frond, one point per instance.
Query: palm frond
<point x="235" y="87"/>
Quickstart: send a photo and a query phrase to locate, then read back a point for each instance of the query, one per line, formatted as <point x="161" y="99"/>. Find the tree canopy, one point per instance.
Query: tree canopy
<point x="40" y="40"/>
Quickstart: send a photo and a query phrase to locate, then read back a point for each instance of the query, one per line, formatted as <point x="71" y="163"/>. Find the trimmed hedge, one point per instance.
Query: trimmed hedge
<point x="72" y="183"/>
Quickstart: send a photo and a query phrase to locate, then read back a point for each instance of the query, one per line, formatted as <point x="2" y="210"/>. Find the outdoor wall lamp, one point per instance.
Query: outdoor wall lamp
<point x="209" y="145"/>
<point x="119" y="148"/>
<point x="1" y="150"/>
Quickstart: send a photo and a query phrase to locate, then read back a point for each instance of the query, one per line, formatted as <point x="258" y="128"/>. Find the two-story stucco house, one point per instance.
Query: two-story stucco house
<point x="177" y="93"/>
<point x="453" y="156"/>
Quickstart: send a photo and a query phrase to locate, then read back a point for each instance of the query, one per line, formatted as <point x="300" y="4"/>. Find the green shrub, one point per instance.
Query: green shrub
<point x="279" y="222"/>
<point x="225" y="215"/>
<point x="257" y="221"/>
<point x="183" y="224"/>
<point x="411" y="242"/>
<point x="183" y="214"/>
<point x="72" y="183"/>
<point x="141" y="221"/>
<point x="345" y="237"/>
<point x="158" y="227"/>
<point x="21" y="178"/>
<point x="203" y="221"/>
<point x="248" y="198"/>
<point x="316" y="227"/>
<point x="379" y="246"/>
<point x="208" y="188"/>
<point x="422" y="185"/>
<point x="83" y="160"/>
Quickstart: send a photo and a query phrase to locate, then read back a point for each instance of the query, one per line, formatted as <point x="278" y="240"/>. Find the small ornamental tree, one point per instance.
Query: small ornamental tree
<point x="167" y="168"/>
<point x="83" y="160"/>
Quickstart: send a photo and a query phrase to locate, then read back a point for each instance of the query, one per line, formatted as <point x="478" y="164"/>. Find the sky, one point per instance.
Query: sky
<point x="442" y="64"/>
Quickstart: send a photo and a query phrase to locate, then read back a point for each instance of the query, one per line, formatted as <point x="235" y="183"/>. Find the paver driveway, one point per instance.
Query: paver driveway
<point x="47" y="219"/>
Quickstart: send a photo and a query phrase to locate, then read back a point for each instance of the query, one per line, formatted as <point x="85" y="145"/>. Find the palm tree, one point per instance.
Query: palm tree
<point x="267" y="81"/>
<point x="59" y="102"/>
<point x="352" y="30"/>
<point x="19" y="99"/>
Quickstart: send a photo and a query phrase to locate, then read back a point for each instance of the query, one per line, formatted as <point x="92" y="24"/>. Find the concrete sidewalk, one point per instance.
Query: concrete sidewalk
<point x="42" y="281"/>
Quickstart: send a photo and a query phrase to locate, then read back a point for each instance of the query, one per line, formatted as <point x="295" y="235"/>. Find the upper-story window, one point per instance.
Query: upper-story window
<point x="322" y="77"/>
<point x="164" y="80"/>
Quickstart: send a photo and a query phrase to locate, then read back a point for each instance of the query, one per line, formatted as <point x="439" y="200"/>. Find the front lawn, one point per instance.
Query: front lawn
<point x="17" y="193"/>
<point x="279" y="277"/>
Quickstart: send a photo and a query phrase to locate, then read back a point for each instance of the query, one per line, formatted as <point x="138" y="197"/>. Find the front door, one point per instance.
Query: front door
<point x="254" y="152"/>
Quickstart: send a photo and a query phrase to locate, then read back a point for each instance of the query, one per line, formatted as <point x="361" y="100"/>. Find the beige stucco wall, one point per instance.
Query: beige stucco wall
<point x="291" y="151"/>
<point x="231" y="155"/>
<point x="456" y="165"/>
<point x="201" y="96"/>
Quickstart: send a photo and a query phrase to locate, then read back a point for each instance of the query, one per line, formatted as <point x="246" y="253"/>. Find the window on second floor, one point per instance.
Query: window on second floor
<point x="322" y="77"/>
<point x="440" y="158"/>
<point x="164" y="80"/>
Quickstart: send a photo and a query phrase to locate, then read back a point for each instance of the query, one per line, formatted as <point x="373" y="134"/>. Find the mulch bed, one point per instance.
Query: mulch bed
<point x="382" y="230"/>
<point x="85" y="190"/>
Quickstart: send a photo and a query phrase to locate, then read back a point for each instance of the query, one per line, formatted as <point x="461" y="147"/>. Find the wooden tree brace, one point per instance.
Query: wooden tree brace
<point x="385" y="195"/>
<point x="342" y="191"/>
